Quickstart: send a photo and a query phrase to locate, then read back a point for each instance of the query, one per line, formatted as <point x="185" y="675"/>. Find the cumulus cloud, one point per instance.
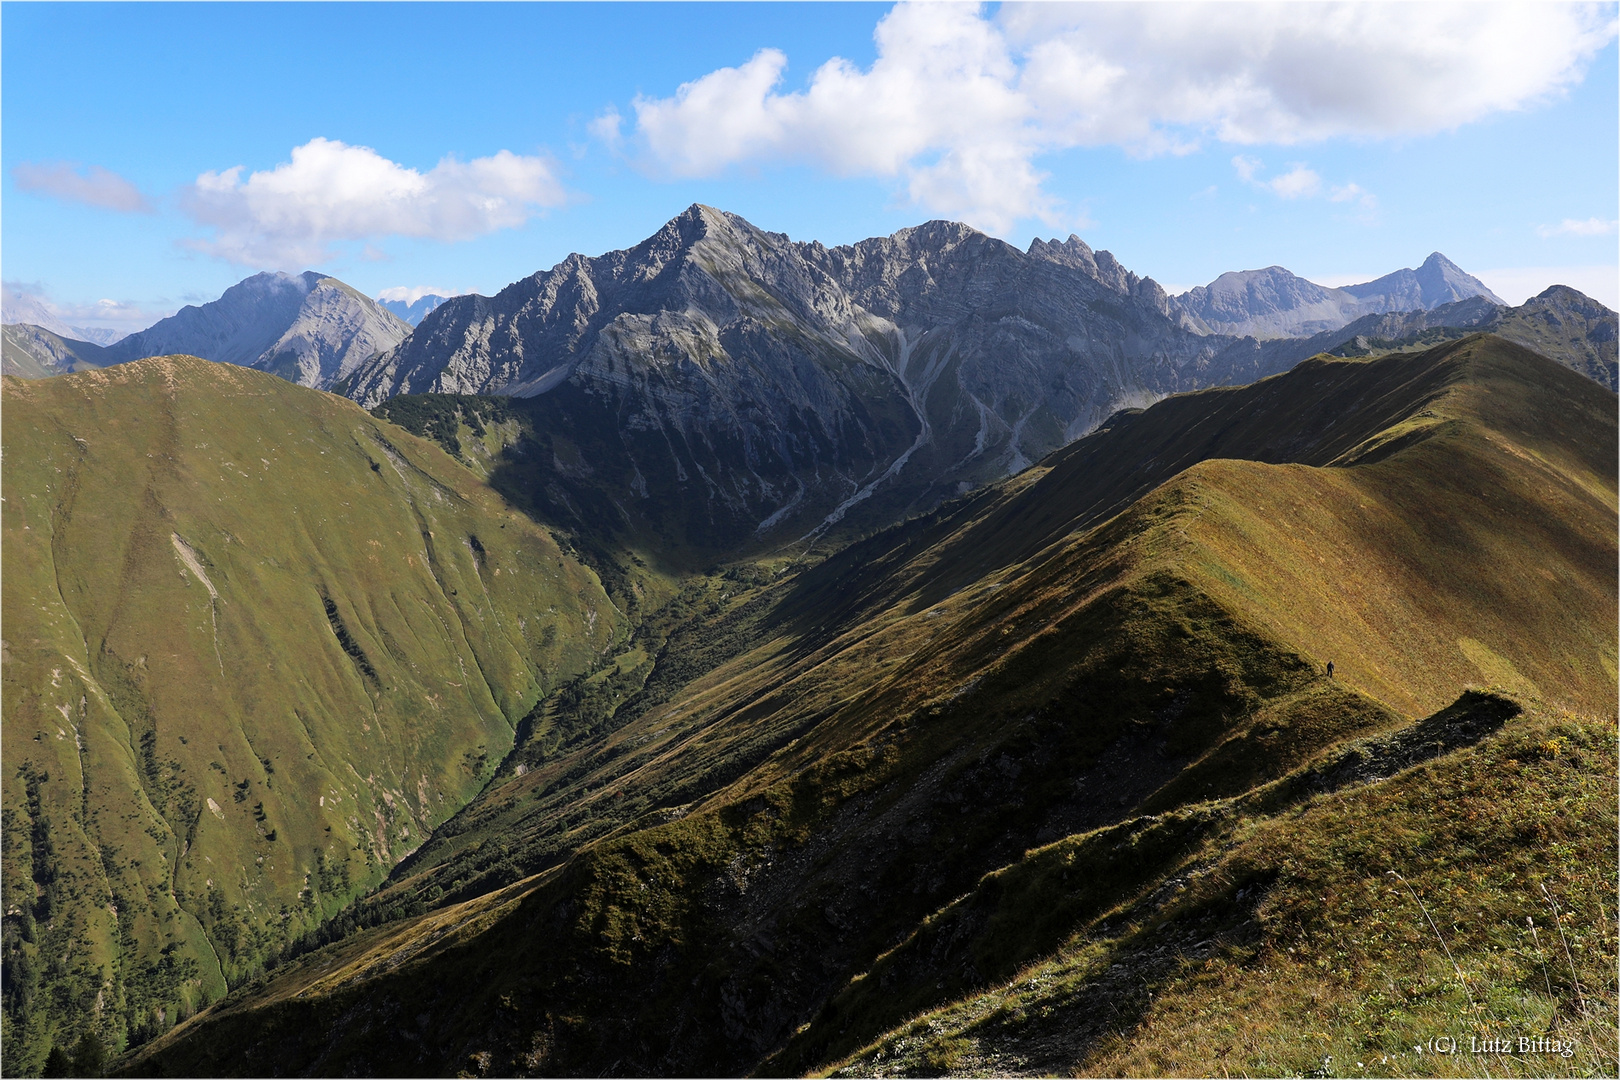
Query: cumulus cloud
<point x="1300" y="182"/>
<point x="1297" y="183"/>
<point x="330" y="192"/>
<point x="94" y="186"/>
<point x="1571" y="227"/>
<point x="1247" y="167"/>
<point x="959" y="104"/>
<point x="605" y="126"/>
<point x="410" y="294"/>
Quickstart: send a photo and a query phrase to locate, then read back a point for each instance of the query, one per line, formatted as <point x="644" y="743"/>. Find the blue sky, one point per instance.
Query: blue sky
<point x="464" y="146"/>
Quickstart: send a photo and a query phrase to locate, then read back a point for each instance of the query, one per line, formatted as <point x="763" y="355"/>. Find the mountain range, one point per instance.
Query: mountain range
<point x="770" y="388"/>
<point x="860" y="381"/>
<point x="319" y="332"/>
<point x="1036" y="781"/>
<point x="1273" y="303"/>
<point x="909" y="657"/>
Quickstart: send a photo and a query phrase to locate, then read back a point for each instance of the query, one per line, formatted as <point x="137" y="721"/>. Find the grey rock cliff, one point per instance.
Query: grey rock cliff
<point x="783" y="386"/>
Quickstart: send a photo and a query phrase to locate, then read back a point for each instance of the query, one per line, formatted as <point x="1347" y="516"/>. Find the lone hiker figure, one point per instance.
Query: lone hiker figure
<point x="1330" y="669"/>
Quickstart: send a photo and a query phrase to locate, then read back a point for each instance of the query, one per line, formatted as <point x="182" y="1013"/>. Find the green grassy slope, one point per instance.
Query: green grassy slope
<point x="257" y="645"/>
<point x="1136" y="627"/>
<point x="1286" y="936"/>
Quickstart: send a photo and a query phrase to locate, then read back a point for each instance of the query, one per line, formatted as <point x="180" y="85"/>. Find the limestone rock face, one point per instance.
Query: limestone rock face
<point x="1438" y="281"/>
<point x="308" y="328"/>
<point x="789" y="384"/>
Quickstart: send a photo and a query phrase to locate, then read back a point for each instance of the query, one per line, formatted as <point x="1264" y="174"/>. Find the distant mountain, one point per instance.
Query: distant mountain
<point x="1273" y="302"/>
<point x="33" y="352"/>
<point x="722" y="382"/>
<point x="309" y="329"/>
<point x="22" y="307"/>
<point x="1438" y="281"/>
<point x="413" y="311"/>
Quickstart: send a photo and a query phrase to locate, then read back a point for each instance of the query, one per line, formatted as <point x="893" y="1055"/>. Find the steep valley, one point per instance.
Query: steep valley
<point x="1055" y="768"/>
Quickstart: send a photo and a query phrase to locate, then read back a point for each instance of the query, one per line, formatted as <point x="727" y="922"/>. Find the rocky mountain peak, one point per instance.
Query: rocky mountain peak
<point x="1442" y="281"/>
<point x="1101" y="267"/>
<point x="308" y="328"/>
<point x="778" y="384"/>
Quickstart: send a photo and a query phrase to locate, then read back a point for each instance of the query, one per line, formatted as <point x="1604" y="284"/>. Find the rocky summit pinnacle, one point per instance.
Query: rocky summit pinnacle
<point x="792" y="383"/>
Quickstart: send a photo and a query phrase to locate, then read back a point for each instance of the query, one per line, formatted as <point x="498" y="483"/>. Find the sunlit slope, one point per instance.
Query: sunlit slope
<point x="1375" y="513"/>
<point x="1120" y="632"/>
<point x="258" y="644"/>
<point x="1288" y="933"/>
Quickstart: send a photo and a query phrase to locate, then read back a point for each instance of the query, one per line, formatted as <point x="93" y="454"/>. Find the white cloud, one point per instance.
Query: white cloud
<point x="1571" y="227"/>
<point x="606" y="127"/>
<point x="292" y="215"/>
<point x="1297" y="183"/>
<point x="410" y="294"/>
<point x="1303" y="182"/>
<point x="939" y="109"/>
<point x="94" y="186"/>
<point x="959" y="105"/>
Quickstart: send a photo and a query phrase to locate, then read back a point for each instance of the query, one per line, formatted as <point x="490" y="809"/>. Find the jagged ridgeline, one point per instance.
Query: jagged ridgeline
<point x="719" y="387"/>
<point x="1076" y="725"/>
<point x="258" y="644"/>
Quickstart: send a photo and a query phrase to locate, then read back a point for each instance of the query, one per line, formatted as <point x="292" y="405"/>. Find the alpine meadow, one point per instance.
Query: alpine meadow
<point x="908" y="652"/>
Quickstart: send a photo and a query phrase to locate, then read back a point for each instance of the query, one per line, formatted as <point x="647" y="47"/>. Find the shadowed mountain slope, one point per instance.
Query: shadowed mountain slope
<point x="765" y="388"/>
<point x="258" y="644"/>
<point x="1125" y="639"/>
<point x="1288" y="932"/>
